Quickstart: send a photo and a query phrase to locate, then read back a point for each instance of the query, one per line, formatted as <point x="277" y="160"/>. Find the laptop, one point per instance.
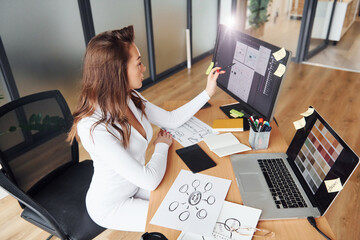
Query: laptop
<point x="292" y="184"/>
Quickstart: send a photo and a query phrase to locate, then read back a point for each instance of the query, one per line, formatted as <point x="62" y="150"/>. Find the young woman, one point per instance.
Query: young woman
<point x="113" y="122"/>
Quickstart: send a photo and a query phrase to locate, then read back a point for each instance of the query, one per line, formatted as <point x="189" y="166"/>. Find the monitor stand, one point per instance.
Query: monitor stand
<point x="237" y="106"/>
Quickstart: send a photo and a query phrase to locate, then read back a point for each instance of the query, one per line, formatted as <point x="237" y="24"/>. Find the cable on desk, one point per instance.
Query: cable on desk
<point x="313" y="223"/>
<point x="275" y="121"/>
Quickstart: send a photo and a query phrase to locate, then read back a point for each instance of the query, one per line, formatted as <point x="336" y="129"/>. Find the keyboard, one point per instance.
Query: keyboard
<point x="284" y="191"/>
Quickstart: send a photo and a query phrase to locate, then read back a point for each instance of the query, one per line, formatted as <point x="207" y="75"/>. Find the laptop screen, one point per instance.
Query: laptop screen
<point x="317" y="154"/>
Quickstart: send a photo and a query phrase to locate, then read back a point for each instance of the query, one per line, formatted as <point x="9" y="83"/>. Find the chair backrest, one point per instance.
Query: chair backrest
<point x="33" y="130"/>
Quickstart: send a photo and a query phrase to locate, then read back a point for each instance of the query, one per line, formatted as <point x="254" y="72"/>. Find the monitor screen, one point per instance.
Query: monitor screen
<point x="256" y="74"/>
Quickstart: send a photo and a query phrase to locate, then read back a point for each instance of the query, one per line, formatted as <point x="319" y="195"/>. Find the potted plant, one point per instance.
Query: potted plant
<point x="258" y="16"/>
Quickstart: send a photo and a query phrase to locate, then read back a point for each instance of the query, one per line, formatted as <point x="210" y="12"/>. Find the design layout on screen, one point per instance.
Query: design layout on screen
<point x="317" y="155"/>
<point x="252" y="77"/>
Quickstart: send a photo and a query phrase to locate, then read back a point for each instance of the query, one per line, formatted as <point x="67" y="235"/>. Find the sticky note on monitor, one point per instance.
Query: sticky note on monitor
<point x="209" y="68"/>
<point x="333" y="185"/>
<point x="279" y="54"/>
<point x="299" y="124"/>
<point x="280" y="70"/>
<point x="308" y="112"/>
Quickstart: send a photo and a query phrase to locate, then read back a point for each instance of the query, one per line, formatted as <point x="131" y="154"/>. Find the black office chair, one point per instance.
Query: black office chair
<point x="41" y="170"/>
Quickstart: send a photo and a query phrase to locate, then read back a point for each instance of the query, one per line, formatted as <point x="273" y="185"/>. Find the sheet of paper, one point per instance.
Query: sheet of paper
<point x="232" y="217"/>
<point x="191" y="132"/>
<point x="333" y="185"/>
<point x="308" y="112"/>
<point x="299" y="123"/>
<point x="193" y="203"/>
<point x="280" y="70"/>
<point x="279" y="54"/>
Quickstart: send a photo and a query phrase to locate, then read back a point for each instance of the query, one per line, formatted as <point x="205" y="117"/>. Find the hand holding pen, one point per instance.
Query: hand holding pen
<point x="211" y="80"/>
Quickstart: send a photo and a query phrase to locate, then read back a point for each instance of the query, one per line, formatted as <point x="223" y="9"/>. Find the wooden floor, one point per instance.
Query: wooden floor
<point x="345" y="54"/>
<point x="334" y="93"/>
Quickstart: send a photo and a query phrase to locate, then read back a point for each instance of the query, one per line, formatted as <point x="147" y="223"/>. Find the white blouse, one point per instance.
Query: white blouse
<point x="119" y="172"/>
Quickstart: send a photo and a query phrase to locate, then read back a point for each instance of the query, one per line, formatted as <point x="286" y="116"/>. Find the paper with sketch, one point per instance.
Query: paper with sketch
<point x="225" y="144"/>
<point x="191" y="132"/>
<point x="234" y="223"/>
<point x="193" y="203"/>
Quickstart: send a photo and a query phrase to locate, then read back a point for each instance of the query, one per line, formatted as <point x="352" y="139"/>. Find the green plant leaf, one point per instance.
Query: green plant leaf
<point x="12" y="129"/>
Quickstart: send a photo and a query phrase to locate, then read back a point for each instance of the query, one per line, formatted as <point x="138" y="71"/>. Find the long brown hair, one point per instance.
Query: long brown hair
<point x="105" y="83"/>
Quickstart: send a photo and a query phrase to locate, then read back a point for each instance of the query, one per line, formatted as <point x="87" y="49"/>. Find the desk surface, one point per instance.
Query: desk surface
<point x="284" y="229"/>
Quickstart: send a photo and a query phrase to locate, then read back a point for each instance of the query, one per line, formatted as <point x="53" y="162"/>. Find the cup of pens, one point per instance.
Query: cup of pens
<point x="259" y="133"/>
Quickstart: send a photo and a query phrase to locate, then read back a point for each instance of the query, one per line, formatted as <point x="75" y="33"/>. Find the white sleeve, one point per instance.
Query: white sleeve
<point x="112" y="153"/>
<point x="177" y="117"/>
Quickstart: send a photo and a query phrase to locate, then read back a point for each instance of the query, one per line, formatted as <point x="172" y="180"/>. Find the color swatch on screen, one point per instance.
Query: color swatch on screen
<point x="317" y="155"/>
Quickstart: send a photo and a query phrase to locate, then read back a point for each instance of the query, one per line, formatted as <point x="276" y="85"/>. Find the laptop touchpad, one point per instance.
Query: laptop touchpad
<point x="251" y="182"/>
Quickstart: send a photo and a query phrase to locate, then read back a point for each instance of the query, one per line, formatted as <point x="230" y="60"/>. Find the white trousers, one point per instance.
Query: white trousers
<point x="129" y="215"/>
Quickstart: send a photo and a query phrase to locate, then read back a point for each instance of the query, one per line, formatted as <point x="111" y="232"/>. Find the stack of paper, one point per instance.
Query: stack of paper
<point x="235" y="222"/>
<point x="225" y="144"/>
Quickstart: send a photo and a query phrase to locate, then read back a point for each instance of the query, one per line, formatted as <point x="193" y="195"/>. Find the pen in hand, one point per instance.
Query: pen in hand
<point x="223" y="69"/>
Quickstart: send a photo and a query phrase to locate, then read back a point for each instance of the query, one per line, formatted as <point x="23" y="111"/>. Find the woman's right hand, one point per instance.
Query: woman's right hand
<point x="164" y="137"/>
<point x="211" y="80"/>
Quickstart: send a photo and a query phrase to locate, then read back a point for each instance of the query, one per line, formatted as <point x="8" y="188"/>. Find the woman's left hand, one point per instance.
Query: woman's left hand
<point x="211" y="80"/>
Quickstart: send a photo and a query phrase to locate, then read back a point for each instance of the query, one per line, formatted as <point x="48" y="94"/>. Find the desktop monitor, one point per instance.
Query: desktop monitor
<point x="256" y="75"/>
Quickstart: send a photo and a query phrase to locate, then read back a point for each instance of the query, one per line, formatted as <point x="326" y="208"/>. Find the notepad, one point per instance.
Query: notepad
<point x="229" y="125"/>
<point x="225" y="144"/>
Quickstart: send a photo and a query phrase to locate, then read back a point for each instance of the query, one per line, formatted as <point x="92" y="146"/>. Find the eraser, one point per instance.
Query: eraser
<point x="209" y="68"/>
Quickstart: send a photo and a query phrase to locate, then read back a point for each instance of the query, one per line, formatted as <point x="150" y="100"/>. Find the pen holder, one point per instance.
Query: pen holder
<point x="259" y="140"/>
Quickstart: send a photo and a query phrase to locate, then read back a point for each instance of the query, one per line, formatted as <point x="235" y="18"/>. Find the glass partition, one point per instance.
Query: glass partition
<point x="204" y="26"/>
<point x="45" y="45"/>
<point x="4" y="94"/>
<point x="282" y="27"/>
<point x="113" y="14"/>
<point x="225" y="12"/>
<point x="169" y="25"/>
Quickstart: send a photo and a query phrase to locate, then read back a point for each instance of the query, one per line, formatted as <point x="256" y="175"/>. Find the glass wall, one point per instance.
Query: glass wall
<point x="283" y="26"/>
<point x="114" y="14"/>
<point x="4" y="94"/>
<point x="225" y="12"/>
<point x="45" y="45"/>
<point x="169" y="25"/>
<point x="204" y="26"/>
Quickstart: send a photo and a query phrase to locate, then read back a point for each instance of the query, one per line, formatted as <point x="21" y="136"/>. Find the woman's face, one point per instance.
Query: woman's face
<point x="135" y="68"/>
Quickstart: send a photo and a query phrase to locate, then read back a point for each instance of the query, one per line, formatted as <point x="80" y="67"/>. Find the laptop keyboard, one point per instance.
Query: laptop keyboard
<point x="282" y="187"/>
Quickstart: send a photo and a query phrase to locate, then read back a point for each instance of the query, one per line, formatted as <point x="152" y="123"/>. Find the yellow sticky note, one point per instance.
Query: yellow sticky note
<point x="234" y="115"/>
<point x="279" y="54"/>
<point x="209" y="68"/>
<point x="308" y="112"/>
<point x="280" y="70"/>
<point x="237" y="113"/>
<point x="333" y="185"/>
<point x="299" y="124"/>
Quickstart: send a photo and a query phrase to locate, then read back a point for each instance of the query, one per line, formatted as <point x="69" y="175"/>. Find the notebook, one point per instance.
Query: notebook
<point x="225" y="144"/>
<point x="229" y="125"/>
<point x="316" y="159"/>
